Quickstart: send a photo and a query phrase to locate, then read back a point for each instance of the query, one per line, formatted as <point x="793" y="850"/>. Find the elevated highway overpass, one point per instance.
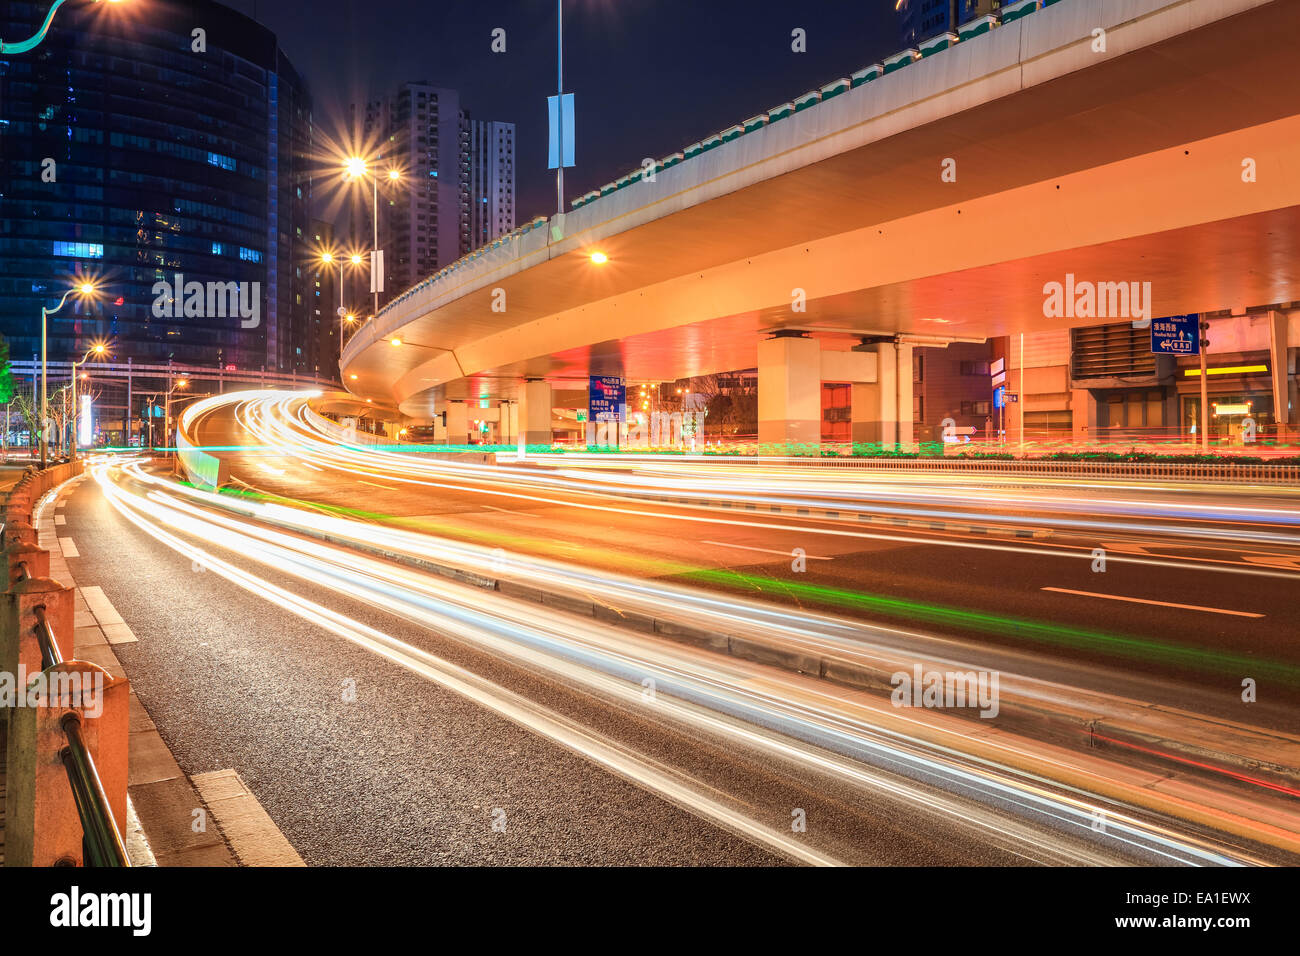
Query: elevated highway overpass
<point x="1124" y="141"/>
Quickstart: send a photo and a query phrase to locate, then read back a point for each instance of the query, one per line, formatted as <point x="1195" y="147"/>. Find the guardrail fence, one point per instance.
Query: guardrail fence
<point x="66" y="725"/>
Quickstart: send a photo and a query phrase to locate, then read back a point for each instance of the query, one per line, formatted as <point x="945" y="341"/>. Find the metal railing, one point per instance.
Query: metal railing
<point x="102" y="843"/>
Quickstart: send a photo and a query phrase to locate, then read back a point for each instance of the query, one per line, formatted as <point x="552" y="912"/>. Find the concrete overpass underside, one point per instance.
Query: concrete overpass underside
<point x="1117" y="166"/>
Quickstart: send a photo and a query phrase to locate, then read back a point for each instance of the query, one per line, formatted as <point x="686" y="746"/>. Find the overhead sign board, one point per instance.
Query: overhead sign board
<point x="606" y="398"/>
<point x="1176" y="335"/>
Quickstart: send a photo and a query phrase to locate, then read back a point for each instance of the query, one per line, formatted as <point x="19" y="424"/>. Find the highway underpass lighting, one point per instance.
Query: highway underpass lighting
<point x="395" y="342"/>
<point x="353" y="376"/>
<point x="599" y="258"/>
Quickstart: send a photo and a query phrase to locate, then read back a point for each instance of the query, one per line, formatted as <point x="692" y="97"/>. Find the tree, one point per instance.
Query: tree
<point x="7" y="387"/>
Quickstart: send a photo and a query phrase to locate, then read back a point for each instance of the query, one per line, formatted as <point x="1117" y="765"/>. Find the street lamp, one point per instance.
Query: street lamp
<point x="167" y="408"/>
<point x="345" y="317"/>
<point x="34" y="41"/>
<point x="96" y="349"/>
<point x="84" y="289"/>
<point x="354" y="167"/>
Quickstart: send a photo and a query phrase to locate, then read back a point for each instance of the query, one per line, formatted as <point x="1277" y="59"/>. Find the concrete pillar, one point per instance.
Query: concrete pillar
<point x="875" y="407"/>
<point x="906" y="402"/>
<point x="882" y="412"/>
<point x="509" y="423"/>
<point x="457" y="423"/>
<point x="42" y="826"/>
<point x="1278" y="367"/>
<point x="19" y="647"/>
<point x="789" y="391"/>
<point x="18" y="553"/>
<point x="536" y="407"/>
<point x="1085" y="412"/>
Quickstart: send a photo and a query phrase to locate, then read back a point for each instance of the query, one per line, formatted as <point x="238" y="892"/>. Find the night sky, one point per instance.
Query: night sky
<point x="649" y="76"/>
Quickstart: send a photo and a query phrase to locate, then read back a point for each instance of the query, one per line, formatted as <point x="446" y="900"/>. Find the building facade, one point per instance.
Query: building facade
<point x="134" y="150"/>
<point x="918" y="20"/>
<point x="492" y="180"/>
<point x="1103" y="385"/>
<point x="457" y="186"/>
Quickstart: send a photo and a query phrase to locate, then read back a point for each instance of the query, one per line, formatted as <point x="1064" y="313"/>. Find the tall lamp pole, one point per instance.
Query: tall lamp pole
<point x="84" y="289"/>
<point x="559" y="109"/>
<point x="93" y="350"/>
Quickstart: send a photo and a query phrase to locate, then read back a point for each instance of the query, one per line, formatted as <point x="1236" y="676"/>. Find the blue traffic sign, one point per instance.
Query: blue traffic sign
<point x="606" y="398"/>
<point x="1176" y="335"/>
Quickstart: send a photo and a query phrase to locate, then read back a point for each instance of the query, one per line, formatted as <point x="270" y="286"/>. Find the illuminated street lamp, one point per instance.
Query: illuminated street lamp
<point x="354" y="167"/>
<point x="97" y="349"/>
<point x="34" y="41"/>
<point x="345" y="317"/>
<point x="84" y="289"/>
<point x="167" y="408"/>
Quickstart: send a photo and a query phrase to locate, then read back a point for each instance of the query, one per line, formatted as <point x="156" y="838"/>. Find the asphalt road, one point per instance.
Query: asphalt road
<point x="1117" y="631"/>
<point x="483" y="731"/>
<point x="411" y="773"/>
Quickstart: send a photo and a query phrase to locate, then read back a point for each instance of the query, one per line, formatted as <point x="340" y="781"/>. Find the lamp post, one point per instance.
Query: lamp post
<point x="345" y="317"/>
<point x="559" y="106"/>
<point x="34" y="41"/>
<point x="93" y="350"/>
<point x="83" y="289"/>
<point x="167" y="409"/>
<point x="354" y="167"/>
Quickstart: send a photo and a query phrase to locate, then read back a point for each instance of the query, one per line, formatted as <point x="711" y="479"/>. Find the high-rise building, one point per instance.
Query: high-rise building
<point x="424" y="218"/>
<point x="457" y="183"/>
<point x="133" y="150"/>
<point x="492" y="180"/>
<point x="323" y="288"/>
<point x="919" y="20"/>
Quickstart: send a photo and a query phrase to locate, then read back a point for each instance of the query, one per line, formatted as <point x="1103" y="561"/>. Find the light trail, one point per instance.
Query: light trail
<point x="691" y="691"/>
<point x="282" y="422"/>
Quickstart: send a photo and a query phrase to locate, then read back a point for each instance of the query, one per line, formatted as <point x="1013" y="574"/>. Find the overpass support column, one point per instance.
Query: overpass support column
<point x="457" y="423"/>
<point x="1279" y="368"/>
<point x="789" y="391"/>
<point x="1084" y="412"/>
<point x="882" y="413"/>
<point x="508" y="427"/>
<point x="534" y="417"/>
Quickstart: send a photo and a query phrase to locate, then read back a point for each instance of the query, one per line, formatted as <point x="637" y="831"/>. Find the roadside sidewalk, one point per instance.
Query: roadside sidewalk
<point x="210" y="819"/>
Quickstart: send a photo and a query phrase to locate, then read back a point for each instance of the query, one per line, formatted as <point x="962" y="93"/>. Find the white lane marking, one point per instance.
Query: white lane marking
<point x="311" y="466"/>
<point x="678" y="788"/>
<point x="506" y="511"/>
<point x="60" y="519"/>
<point x="1134" y="600"/>
<point x="68" y="548"/>
<point x="373" y="485"/>
<point x="745" y="547"/>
